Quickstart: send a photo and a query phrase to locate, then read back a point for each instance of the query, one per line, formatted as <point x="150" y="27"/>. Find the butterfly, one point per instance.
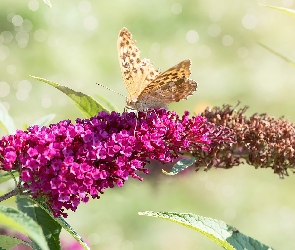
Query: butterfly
<point x="149" y="88"/>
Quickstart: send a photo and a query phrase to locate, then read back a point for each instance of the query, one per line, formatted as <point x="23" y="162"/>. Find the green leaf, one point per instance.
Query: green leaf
<point x="62" y="223"/>
<point x="288" y="60"/>
<point x="71" y="231"/>
<point x="51" y="229"/>
<point x="8" y="175"/>
<point x="8" y="242"/>
<point x="180" y="166"/>
<point x="285" y="10"/>
<point x="218" y="231"/>
<point x="6" y="121"/>
<point x="24" y="224"/>
<point x="87" y="105"/>
<point x="48" y="3"/>
<point x="45" y="120"/>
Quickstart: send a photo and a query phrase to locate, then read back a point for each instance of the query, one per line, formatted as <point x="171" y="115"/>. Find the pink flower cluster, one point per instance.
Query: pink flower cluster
<point x="68" y="163"/>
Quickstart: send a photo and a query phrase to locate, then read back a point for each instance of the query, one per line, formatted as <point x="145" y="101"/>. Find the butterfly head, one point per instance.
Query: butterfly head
<point x="132" y="103"/>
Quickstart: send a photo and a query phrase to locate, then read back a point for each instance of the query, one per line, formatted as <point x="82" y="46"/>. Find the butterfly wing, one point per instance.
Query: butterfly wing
<point x="136" y="73"/>
<point x="171" y="86"/>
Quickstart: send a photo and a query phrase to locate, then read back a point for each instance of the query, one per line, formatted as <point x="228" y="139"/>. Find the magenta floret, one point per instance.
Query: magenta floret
<point x="68" y="163"/>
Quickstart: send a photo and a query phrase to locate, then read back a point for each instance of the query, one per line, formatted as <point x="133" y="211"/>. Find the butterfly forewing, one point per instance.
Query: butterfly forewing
<point x="136" y="73"/>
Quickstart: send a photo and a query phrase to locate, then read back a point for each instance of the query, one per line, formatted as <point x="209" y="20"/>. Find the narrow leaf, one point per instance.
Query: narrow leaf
<point x="51" y="229"/>
<point x="87" y="105"/>
<point x="6" y="121"/>
<point x="45" y="120"/>
<point x="285" y="10"/>
<point x="180" y="166"/>
<point x="24" y="224"/>
<point x="48" y="3"/>
<point x="63" y="223"/>
<point x="8" y="242"/>
<point x="71" y="231"/>
<point x="288" y="60"/>
<point x="218" y="231"/>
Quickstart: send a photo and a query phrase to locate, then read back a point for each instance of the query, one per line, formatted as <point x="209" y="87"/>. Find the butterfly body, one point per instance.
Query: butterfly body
<point x="147" y="87"/>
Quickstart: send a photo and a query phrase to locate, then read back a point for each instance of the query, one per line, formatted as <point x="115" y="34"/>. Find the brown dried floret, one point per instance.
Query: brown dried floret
<point x="261" y="141"/>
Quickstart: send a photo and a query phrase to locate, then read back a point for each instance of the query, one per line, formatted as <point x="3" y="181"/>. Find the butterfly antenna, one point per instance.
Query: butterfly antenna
<point x="99" y="84"/>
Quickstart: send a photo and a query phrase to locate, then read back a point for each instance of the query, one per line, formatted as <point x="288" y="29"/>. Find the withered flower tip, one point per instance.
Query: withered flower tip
<point x="261" y="141"/>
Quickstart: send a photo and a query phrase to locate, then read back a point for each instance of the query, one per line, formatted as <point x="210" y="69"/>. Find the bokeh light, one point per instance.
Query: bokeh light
<point x="5" y="89"/>
<point x="249" y="21"/>
<point x="176" y="8"/>
<point x="85" y="7"/>
<point x="33" y="5"/>
<point x="192" y="36"/>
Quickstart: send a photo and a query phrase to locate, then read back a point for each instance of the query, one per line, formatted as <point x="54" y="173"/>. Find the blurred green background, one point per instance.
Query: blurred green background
<point x="75" y="44"/>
